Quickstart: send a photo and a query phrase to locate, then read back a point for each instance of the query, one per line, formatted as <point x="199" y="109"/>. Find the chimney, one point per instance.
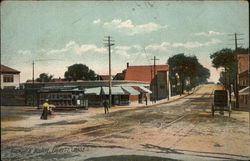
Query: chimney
<point x="127" y="64"/>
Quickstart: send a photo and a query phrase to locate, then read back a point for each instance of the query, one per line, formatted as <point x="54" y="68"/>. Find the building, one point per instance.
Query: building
<point x="10" y="78"/>
<point x="243" y="97"/>
<point x="243" y="78"/>
<point x="242" y="62"/>
<point x="156" y="76"/>
<point x="83" y="93"/>
<point x="104" y="77"/>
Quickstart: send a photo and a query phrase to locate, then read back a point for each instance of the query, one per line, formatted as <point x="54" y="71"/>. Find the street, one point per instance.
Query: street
<point x="183" y="129"/>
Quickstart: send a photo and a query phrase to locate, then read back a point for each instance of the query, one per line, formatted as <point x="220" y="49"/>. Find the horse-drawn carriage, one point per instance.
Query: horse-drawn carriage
<point x="221" y="102"/>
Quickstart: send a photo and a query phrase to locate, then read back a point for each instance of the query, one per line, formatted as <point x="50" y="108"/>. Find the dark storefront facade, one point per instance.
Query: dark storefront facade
<point x="81" y="94"/>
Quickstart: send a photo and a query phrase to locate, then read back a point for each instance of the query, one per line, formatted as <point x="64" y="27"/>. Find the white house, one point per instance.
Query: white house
<point x="10" y="78"/>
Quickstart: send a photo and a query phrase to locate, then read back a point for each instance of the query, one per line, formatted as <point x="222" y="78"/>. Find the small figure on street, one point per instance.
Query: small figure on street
<point x="146" y="100"/>
<point x="44" y="115"/>
<point x="106" y="106"/>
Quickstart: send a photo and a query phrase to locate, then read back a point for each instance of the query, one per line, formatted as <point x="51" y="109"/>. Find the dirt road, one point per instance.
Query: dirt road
<point x="180" y="130"/>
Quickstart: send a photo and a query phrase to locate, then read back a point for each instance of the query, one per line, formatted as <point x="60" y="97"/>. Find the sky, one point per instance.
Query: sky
<point x="57" y="34"/>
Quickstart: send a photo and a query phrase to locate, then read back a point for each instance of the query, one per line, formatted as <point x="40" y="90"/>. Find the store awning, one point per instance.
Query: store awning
<point x="131" y="90"/>
<point x="92" y="91"/>
<point x="114" y="91"/>
<point x="244" y="91"/>
<point x="145" y="90"/>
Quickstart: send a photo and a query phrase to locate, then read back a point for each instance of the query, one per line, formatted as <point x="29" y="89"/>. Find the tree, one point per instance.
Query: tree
<point x="201" y="76"/>
<point x="79" y="72"/>
<point x="226" y="58"/>
<point x="185" y="69"/>
<point x="44" y="77"/>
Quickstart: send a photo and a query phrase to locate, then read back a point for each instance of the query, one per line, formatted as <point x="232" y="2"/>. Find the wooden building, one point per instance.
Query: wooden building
<point x="10" y="78"/>
<point x="156" y="76"/>
<point x="84" y="94"/>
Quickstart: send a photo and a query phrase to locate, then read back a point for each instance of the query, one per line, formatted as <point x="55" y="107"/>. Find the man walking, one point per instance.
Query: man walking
<point x="106" y="106"/>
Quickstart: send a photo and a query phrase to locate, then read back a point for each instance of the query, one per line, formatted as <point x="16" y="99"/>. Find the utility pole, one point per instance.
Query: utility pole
<point x="107" y="42"/>
<point x="236" y="75"/>
<point x="155" y="89"/>
<point x="236" y="68"/>
<point x="33" y="83"/>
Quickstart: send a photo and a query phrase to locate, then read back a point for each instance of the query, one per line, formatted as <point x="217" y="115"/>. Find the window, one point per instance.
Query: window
<point x="8" y="78"/>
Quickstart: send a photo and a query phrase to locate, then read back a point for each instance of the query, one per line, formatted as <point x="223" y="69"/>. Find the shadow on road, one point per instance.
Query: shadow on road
<point x="195" y="153"/>
<point x="130" y="158"/>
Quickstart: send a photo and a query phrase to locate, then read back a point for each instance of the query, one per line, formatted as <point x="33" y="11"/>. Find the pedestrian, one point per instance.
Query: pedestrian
<point x="146" y="100"/>
<point x="106" y="106"/>
<point x="44" y="115"/>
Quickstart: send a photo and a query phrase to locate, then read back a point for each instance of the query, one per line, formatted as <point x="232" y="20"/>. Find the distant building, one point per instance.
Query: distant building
<point x="243" y="77"/>
<point x="158" y="78"/>
<point x="10" y="78"/>
<point x="80" y="93"/>
<point x="104" y="77"/>
<point x="242" y="62"/>
<point x="56" y="80"/>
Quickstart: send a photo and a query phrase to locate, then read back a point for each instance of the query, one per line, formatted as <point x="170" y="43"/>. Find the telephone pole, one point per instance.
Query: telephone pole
<point x="236" y="39"/>
<point x="155" y="89"/>
<point x="109" y="44"/>
<point x="33" y="83"/>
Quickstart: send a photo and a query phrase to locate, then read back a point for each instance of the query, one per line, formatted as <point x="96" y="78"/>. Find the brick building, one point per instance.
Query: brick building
<point x="243" y="77"/>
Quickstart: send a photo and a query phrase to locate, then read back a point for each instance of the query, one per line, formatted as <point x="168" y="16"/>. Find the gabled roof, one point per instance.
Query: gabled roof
<point x="143" y="73"/>
<point x="5" y="69"/>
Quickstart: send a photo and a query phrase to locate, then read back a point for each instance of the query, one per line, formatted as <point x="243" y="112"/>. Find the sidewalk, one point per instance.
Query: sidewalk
<point x="142" y="105"/>
<point x="151" y="104"/>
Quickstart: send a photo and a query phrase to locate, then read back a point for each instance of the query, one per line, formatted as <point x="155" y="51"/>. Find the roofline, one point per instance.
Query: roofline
<point x="10" y="72"/>
<point x="147" y="65"/>
<point x="65" y="82"/>
<point x="16" y="71"/>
